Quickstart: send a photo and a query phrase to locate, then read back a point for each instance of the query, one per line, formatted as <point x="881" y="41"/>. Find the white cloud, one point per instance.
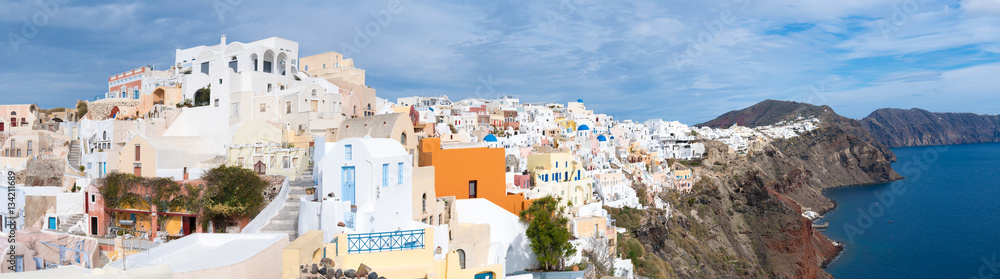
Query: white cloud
<point x="980" y="7"/>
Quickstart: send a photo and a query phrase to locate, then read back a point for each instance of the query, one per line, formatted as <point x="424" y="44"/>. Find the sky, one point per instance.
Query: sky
<point x="688" y="61"/>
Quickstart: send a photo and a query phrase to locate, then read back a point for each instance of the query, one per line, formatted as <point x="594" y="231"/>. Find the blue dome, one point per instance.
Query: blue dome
<point x="583" y="127"/>
<point x="579" y="100"/>
<point x="612" y="137"/>
<point x="490" y="138"/>
<point x="602" y="138"/>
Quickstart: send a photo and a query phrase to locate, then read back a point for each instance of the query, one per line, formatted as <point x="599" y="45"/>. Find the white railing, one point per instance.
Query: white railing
<point x="269" y="212"/>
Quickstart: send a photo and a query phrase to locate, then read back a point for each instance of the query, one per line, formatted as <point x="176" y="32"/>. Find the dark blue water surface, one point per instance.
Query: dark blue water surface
<point x="943" y="221"/>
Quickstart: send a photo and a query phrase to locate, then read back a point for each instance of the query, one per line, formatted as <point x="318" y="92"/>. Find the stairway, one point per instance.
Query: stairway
<point x="69" y="222"/>
<point x="287" y="220"/>
<point x="74" y="153"/>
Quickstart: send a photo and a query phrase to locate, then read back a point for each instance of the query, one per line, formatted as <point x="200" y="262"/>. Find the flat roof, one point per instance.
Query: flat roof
<point x="203" y="251"/>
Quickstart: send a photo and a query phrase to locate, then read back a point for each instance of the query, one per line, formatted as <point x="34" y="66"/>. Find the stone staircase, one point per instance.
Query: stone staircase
<point x="74" y="153"/>
<point x="67" y="223"/>
<point x="287" y="220"/>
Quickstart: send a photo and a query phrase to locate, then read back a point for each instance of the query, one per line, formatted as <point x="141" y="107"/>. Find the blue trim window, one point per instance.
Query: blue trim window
<point x="347" y="152"/>
<point x="385" y="175"/>
<point x="400" y="173"/>
<point x="557" y="164"/>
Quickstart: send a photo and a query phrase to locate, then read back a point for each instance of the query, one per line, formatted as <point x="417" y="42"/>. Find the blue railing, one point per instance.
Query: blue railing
<point x="385" y="241"/>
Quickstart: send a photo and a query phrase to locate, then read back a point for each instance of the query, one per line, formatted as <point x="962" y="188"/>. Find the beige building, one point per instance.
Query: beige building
<point x="260" y="146"/>
<point x="395" y="126"/>
<point x="427" y="207"/>
<point x="179" y="158"/>
<point x="332" y="65"/>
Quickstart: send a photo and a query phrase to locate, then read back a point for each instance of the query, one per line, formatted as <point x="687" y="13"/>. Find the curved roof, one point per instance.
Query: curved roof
<point x="490" y="138"/>
<point x="602" y="138"/>
<point x="583" y="127"/>
<point x="579" y="100"/>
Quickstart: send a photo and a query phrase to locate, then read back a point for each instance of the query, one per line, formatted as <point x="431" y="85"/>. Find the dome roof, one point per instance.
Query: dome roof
<point x="583" y="127"/>
<point x="602" y="138"/>
<point x="579" y="100"/>
<point x="490" y="138"/>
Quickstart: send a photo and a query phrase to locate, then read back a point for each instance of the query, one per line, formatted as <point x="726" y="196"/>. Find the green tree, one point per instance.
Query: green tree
<point x="232" y="191"/>
<point x="81" y="109"/>
<point x="548" y="232"/>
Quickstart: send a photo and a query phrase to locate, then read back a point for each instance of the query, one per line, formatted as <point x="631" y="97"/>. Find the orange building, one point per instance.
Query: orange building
<point x="469" y="173"/>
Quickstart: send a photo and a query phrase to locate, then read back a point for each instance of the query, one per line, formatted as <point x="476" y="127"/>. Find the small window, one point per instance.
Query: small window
<point x="216" y="102"/>
<point x="288" y="107"/>
<point x="347" y="152"/>
<point x="263" y="107"/>
<point x="400" y="174"/>
<point x="424" y="202"/>
<point x="269" y="87"/>
<point x="385" y="175"/>
<point x="138" y="151"/>
<point x="93" y="198"/>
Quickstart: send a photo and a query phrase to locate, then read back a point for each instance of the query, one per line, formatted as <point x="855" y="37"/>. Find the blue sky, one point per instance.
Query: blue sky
<point x="677" y="60"/>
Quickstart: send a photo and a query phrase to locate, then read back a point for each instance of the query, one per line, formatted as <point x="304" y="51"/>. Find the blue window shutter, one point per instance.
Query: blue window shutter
<point x="400" y="173"/>
<point x="385" y="175"/>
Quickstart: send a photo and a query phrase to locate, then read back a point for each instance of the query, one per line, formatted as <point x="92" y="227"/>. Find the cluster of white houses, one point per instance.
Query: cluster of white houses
<point x="445" y="180"/>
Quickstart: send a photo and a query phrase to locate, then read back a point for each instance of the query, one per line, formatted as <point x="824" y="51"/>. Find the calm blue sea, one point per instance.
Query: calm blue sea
<point x="943" y="221"/>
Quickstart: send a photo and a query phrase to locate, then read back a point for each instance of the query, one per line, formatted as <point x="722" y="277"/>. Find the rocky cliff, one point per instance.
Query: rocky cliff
<point x="743" y="219"/>
<point x="917" y="127"/>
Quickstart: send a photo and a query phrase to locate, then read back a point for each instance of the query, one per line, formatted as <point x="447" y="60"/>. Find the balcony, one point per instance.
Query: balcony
<point x="385" y="241"/>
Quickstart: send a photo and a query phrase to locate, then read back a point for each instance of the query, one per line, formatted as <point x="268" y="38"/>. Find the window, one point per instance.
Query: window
<point x="432" y="221"/>
<point x="263" y="107"/>
<point x="307" y="67"/>
<point x="400" y="175"/>
<point x="473" y="185"/>
<point x="269" y="87"/>
<point x="93" y="198"/>
<point x="347" y="152"/>
<point x="204" y="68"/>
<point x="220" y="81"/>
<point x="288" y="107"/>
<point x="385" y="175"/>
<point x="286" y="162"/>
<point x="137" y="152"/>
<point x="402" y="138"/>
<point x="216" y="102"/>
<point x="236" y="109"/>
<point x="461" y="258"/>
<point x="424" y="202"/>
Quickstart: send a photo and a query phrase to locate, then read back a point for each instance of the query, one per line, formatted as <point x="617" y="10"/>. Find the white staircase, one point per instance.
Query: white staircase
<point x="287" y="220"/>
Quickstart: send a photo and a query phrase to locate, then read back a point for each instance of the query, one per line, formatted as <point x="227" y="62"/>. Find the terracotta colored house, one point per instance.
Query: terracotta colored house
<point x="469" y="173"/>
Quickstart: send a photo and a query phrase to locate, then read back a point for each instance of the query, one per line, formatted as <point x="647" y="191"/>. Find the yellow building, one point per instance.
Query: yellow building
<point x="559" y="175"/>
<point x="399" y="254"/>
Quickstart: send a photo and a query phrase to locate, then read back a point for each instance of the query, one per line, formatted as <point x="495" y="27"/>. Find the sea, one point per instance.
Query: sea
<point x="943" y="221"/>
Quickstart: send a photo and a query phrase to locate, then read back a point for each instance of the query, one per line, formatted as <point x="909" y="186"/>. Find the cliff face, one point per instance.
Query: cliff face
<point x="917" y="127"/>
<point x="743" y="219"/>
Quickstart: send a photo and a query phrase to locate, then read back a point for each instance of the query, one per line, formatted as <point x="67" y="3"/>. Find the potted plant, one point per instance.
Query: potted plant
<point x="310" y="190"/>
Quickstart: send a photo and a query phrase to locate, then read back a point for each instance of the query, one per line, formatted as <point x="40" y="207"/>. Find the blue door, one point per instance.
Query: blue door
<point x="52" y="223"/>
<point x="347" y="184"/>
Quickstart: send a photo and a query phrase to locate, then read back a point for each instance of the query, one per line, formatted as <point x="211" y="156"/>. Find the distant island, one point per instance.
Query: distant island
<point x="917" y="127"/>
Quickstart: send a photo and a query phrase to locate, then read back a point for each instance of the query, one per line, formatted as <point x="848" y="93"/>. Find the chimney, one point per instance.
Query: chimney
<point x="223" y="39"/>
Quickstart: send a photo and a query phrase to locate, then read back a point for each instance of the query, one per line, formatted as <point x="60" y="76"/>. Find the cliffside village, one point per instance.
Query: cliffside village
<point x="423" y="187"/>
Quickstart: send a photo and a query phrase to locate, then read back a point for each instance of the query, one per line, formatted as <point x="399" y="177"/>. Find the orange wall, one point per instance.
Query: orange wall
<point x="454" y="168"/>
